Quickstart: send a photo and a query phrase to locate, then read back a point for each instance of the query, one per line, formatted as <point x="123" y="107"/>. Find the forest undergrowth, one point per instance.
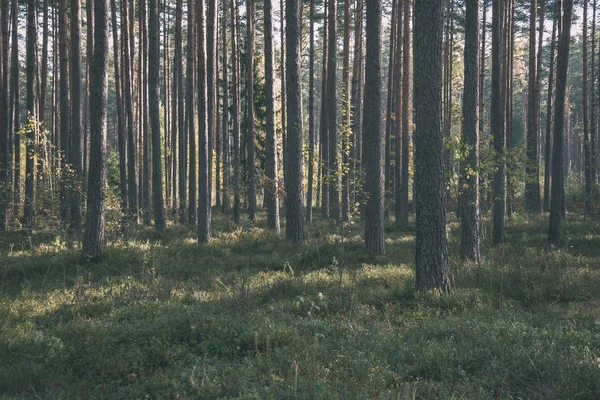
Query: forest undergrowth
<point x="250" y="316"/>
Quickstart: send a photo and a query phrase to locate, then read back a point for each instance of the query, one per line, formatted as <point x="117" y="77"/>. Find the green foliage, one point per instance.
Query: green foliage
<point x="250" y="316"/>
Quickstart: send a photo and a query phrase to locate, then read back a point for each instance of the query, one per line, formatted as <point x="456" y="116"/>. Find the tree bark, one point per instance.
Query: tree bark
<point x="469" y="201"/>
<point x="549" y="119"/>
<point x="153" y="99"/>
<point x="431" y="242"/>
<point x="271" y="186"/>
<point x="406" y="72"/>
<point x="4" y="126"/>
<point x="250" y="109"/>
<point x="558" y="179"/>
<point x="31" y="114"/>
<point x="225" y="204"/>
<point x="237" y="169"/>
<point x="294" y="227"/>
<point x="373" y="154"/>
<point x="76" y="152"/>
<point x="93" y="238"/>
<point x="311" y="114"/>
<point x="204" y="188"/>
<point x="332" y="127"/>
<point x="589" y="166"/>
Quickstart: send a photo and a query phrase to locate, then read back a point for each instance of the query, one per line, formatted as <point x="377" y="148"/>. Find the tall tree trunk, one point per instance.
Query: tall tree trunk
<point x="532" y="183"/>
<point x="311" y="114"/>
<point x="250" y="109"/>
<point x="332" y="127"/>
<point x="558" y="180"/>
<point x="31" y="114"/>
<point x="237" y="168"/>
<point x="373" y="154"/>
<point x="431" y="242"/>
<point x="76" y="151"/>
<point x="356" y="107"/>
<point x="89" y="10"/>
<point x="390" y="117"/>
<point x="44" y="62"/>
<point x="65" y="136"/>
<point x="145" y="183"/>
<point x="549" y="119"/>
<point x="191" y="82"/>
<point x="177" y="108"/>
<point x="211" y="91"/>
<point x="153" y="99"/>
<point x="225" y="136"/>
<point x="406" y="73"/>
<point x="498" y="123"/>
<point x="93" y="238"/>
<point x="271" y="186"/>
<point x="15" y="107"/>
<point x="345" y="125"/>
<point x="323" y="121"/>
<point x="283" y="82"/>
<point x="122" y="143"/>
<point x="469" y="202"/>
<point x="204" y="196"/>
<point x="294" y="227"/>
<point x="397" y="170"/>
<point x="4" y="127"/>
<point x="589" y="166"/>
<point x="189" y="126"/>
<point x="132" y="175"/>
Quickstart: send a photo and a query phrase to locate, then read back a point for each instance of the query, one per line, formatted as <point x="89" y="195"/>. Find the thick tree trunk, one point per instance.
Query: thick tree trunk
<point x="373" y="154"/>
<point x="431" y="242"/>
<point x="406" y="73"/>
<point x="469" y="201"/>
<point x="271" y="186"/>
<point x="558" y="180"/>
<point x="153" y="99"/>
<point x="93" y="238"/>
<point x="294" y="227"/>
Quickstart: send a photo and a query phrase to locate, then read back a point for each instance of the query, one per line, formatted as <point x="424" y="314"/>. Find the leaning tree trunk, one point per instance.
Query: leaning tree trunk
<point x="558" y="179"/>
<point x="431" y="242"/>
<point x="153" y="99"/>
<point x="373" y="154"/>
<point x="294" y="227"/>
<point x="93" y="237"/>
<point x="469" y="192"/>
<point x="271" y="137"/>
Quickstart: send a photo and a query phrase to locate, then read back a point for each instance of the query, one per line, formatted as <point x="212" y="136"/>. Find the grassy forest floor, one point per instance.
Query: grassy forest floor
<point x="250" y="316"/>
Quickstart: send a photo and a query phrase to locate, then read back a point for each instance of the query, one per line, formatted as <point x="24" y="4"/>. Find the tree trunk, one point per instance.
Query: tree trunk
<point x="549" y="119"/>
<point x="294" y="227"/>
<point x="332" y="127"/>
<point x="311" y="114"/>
<point x="15" y="107"/>
<point x="191" y="117"/>
<point x="250" y="109"/>
<point x="93" y="237"/>
<point x="271" y="186"/>
<point x="589" y="166"/>
<point x="373" y="154"/>
<point x="390" y="124"/>
<point x="406" y="72"/>
<point x="31" y="114"/>
<point x="323" y="122"/>
<point x="237" y="169"/>
<point x="469" y="201"/>
<point x="204" y="188"/>
<point x="498" y="123"/>
<point x="225" y="136"/>
<point x="558" y="180"/>
<point x="431" y="242"/>
<point x="211" y="91"/>
<point x="153" y="99"/>
<point x="177" y="130"/>
<point x="345" y="125"/>
<point x="4" y="127"/>
<point x="76" y="151"/>
<point x="356" y="107"/>
<point x="65" y="136"/>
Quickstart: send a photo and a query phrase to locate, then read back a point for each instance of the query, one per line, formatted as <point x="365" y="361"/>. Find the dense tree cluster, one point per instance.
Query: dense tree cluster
<point x="356" y="107"/>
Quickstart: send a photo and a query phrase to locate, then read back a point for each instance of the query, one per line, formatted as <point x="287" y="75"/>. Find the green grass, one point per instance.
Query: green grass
<point x="250" y="316"/>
